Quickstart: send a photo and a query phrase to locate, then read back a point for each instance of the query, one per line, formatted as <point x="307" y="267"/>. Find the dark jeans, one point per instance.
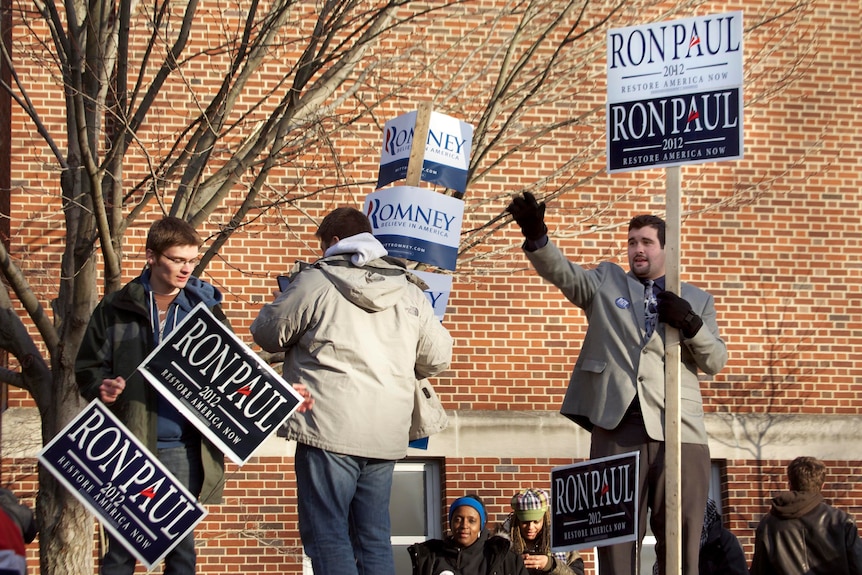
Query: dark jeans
<point x="344" y="512"/>
<point x="185" y="464"/>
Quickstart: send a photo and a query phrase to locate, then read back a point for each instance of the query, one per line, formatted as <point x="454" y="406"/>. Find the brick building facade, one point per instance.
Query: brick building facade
<point x="771" y="236"/>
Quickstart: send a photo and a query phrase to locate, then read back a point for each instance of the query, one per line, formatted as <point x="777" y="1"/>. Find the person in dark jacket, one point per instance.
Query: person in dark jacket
<point x="528" y="527"/>
<point x="469" y="549"/>
<point x="720" y="550"/>
<point x="124" y="328"/>
<point x="17" y="528"/>
<point x="804" y="535"/>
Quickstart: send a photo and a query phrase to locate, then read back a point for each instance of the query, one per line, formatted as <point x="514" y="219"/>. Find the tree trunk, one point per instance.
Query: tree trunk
<point x="65" y="525"/>
<point x="65" y="530"/>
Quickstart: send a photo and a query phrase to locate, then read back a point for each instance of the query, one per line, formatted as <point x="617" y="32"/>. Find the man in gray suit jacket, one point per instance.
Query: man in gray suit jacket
<point x="617" y="388"/>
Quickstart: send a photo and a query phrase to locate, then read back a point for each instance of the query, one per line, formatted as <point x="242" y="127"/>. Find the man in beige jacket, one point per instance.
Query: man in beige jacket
<point x="358" y="331"/>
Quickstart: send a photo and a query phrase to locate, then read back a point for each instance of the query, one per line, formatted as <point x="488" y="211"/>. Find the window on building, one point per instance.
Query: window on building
<point x="414" y="508"/>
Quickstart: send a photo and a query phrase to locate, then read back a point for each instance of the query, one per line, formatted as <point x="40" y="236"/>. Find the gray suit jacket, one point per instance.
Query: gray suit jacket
<point x="615" y="362"/>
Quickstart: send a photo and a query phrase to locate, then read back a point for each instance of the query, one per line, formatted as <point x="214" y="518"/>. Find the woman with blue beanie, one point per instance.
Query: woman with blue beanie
<point x="469" y="549"/>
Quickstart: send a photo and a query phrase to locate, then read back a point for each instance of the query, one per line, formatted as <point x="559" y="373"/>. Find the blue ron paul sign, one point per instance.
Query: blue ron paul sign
<point x="595" y="503"/>
<point x="218" y="383"/>
<point x="671" y="131"/>
<point x="120" y="482"/>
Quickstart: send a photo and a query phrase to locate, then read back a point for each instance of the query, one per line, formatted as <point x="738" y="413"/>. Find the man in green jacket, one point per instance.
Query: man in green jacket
<point x="124" y="328"/>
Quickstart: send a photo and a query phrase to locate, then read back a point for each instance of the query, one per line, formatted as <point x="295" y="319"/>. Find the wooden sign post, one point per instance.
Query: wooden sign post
<point x="417" y="151"/>
<point x="672" y="446"/>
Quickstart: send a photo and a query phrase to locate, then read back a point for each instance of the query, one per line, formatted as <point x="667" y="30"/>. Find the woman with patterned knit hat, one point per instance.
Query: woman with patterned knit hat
<point x="529" y="529"/>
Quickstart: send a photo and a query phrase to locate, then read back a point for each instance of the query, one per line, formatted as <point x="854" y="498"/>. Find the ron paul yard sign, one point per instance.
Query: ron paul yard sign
<point x="595" y="503"/>
<point x="675" y="93"/>
<point x="232" y="396"/>
<point x="114" y="476"/>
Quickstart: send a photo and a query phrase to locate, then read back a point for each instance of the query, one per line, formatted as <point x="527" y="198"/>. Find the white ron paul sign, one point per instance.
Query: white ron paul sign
<point x="675" y="93"/>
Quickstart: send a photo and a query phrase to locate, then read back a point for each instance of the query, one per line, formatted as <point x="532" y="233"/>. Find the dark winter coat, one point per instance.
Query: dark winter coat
<point x="118" y="338"/>
<point x="721" y="553"/>
<point x="487" y="556"/>
<point x="566" y="563"/>
<point x="803" y="535"/>
<point x="17" y="527"/>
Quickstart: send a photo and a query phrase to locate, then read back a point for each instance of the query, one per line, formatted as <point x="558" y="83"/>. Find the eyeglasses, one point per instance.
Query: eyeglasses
<point x="180" y="261"/>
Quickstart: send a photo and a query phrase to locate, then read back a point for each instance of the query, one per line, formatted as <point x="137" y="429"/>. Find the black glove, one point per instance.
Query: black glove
<point x="676" y="312"/>
<point x="530" y="215"/>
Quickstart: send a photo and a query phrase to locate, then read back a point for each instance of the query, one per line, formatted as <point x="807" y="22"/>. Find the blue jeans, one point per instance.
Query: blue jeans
<point x="185" y="464"/>
<point x="344" y="512"/>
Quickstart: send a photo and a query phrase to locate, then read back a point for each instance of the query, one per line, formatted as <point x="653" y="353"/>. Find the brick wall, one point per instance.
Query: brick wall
<point x="255" y="530"/>
<point x="774" y="237"/>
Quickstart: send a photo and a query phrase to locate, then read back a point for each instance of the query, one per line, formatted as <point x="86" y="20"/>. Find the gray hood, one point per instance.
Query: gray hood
<point x="376" y="286"/>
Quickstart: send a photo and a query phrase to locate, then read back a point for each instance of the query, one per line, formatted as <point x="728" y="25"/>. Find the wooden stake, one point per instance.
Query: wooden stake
<point x="673" y="516"/>
<point x="417" y="150"/>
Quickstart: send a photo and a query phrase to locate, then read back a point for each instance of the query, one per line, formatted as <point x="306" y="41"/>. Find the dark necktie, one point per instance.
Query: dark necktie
<point x="649" y="308"/>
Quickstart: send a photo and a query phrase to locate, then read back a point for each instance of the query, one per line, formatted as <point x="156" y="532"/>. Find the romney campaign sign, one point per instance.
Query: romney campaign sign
<point x="124" y="485"/>
<point x="234" y="398"/>
<point x="439" y="288"/>
<point x="417" y="224"/>
<point x="447" y="151"/>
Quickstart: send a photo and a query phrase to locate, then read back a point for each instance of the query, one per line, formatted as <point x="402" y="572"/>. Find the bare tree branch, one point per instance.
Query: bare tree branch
<point x="20" y="342"/>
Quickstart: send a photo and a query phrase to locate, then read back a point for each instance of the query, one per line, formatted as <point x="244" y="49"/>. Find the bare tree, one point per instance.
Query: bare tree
<point x="117" y="63"/>
<point x="263" y="88"/>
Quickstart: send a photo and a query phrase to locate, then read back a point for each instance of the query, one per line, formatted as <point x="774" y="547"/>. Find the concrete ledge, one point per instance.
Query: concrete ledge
<point x="534" y="434"/>
<point x="543" y="434"/>
<point x="22" y="432"/>
<point x="784" y="436"/>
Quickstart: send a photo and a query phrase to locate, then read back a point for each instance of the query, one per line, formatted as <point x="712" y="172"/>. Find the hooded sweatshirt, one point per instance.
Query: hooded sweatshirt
<point x="358" y="336"/>
<point x="120" y="335"/>
<point x="804" y="535"/>
<point x="172" y="428"/>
